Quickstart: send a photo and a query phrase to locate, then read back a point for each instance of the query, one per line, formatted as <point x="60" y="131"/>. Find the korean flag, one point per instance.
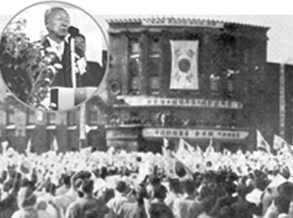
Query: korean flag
<point x="184" y="72"/>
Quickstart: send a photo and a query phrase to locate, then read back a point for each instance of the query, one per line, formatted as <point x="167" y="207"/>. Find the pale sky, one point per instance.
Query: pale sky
<point x="278" y="16"/>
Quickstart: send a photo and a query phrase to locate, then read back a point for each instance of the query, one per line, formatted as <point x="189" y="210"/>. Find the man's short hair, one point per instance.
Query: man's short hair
<point x="160" y="191"/>
<point x="87" y="186"/>
<point x="122" y="186"/>
<point x="189" y="186"/>
<point x="80" y="35"/>
<point x="52" y="10"/>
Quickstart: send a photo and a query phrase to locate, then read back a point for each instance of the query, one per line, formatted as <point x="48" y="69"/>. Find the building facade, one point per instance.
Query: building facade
<point x="169" y="78"/>
<point x="183" y="78"/>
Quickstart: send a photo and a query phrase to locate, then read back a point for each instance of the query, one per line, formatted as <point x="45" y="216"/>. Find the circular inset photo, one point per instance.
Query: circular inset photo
<point x="53" y="56"/>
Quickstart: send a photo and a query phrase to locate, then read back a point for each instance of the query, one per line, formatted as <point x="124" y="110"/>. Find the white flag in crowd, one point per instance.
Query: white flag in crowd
<point x="262" y="144"/>
<point x="279" y="143"/>
<point x="55" y="146"/>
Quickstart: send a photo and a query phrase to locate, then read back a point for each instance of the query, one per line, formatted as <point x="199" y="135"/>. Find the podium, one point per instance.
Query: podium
<point x="64" y="98"/>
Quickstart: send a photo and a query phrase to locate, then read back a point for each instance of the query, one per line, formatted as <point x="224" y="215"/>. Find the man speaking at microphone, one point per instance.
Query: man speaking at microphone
<point x="57" y="41"/>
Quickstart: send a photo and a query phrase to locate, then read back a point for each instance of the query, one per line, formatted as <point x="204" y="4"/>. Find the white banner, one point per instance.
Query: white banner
<point x="194" y="133"/>
<point x="173" y="21"/>
<point x="184" y="73"/>
<point x="179" y="102"/>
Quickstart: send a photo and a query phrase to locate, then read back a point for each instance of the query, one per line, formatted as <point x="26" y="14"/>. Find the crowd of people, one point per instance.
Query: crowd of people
<point x="115" y="184"/>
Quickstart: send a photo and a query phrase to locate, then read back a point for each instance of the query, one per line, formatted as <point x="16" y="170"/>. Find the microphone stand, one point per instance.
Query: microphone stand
<point x="72" y="57"/>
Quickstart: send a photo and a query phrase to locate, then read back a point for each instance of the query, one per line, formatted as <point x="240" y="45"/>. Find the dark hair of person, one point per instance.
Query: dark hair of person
<point x="109" y="194"/>
<point x="189" y="186"/>
<point x="242" y="190"/>
<point x="282" y="203"/>
<point x="140" y="193"/>
<point x="27" y="183"/>
<point x="87" y="186"/>
<point x="81" y="36"/>
<point x="160" y="192"/>
<point x="175" y="185"/>
<point x="104" y="172"/>
<point x="154" y="180"/>
<point x="66" y="180"/>
<point x="50" y="188"/>
<point x="121" y="186"/>
<point x="4" y="175"/>
<point x="78" y="184"/>
<point x="286" y="189"/>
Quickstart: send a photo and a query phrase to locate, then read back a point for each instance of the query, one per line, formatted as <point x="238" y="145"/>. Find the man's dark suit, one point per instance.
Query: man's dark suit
<point x="93" y="76"/>
<point x="63" y="78"/>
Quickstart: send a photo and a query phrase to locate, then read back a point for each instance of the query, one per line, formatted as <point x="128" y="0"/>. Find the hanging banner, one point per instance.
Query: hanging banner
<point x="282" y="100"/>
<point x="181" y="22"/>
<point x="144" y="101"/>
<point x="194" y="133"/>
<point x="184" y="72"/>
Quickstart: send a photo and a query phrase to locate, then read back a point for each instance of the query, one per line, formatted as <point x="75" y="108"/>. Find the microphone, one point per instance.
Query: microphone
<point x="73" y="31"/>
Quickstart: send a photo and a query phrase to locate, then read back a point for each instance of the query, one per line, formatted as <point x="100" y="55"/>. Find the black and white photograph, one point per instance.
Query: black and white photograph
<point x="146" y="110"/>
<point x="53" y="55"/>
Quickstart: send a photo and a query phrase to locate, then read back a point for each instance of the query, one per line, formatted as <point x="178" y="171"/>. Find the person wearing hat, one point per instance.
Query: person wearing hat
<point x="122" y="195"/>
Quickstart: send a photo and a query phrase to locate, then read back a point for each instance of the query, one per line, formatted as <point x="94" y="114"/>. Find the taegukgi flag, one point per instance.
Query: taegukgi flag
<point x="184" y="74"/>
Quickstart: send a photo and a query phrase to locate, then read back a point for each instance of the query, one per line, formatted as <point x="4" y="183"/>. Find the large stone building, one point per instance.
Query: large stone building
<point x="169" y="78"/>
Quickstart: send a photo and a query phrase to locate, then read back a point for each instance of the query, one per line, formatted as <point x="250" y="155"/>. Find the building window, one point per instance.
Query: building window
<point x="10" y="115"/>
<point x="31" y="117"/>
<point x="51" y="118"/>
<point x="92" y="114"/>
<point x="134" y="67"/>
<point x="154" y="67"/>
<point x="50" y="139"/>
<point x="71" y="118"/>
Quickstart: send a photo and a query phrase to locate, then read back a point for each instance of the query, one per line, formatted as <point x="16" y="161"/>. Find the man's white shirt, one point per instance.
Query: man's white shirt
<point x="56" y="47"/>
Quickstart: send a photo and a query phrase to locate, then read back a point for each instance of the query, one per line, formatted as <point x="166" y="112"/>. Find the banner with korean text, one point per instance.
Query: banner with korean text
<point x="184" y="72"/>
